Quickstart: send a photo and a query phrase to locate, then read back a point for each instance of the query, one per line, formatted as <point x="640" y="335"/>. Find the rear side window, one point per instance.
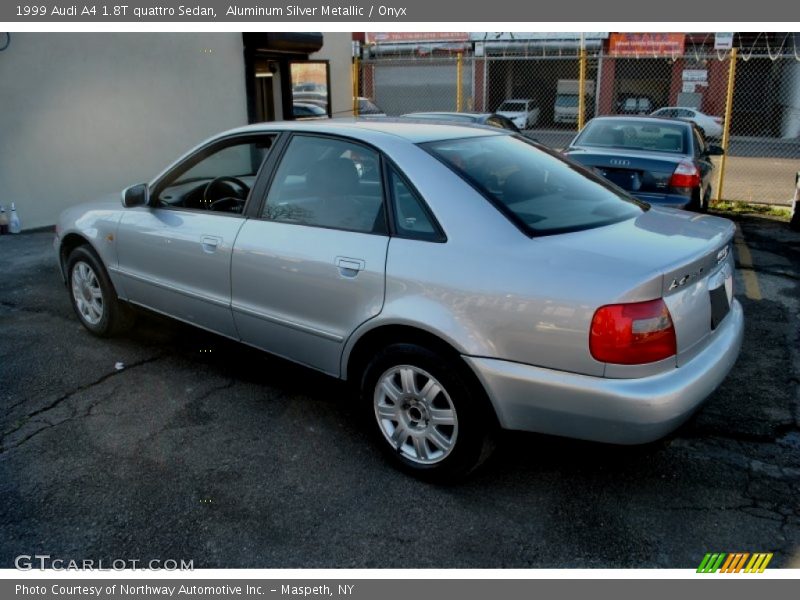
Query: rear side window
<point x="411" y="216"/>
<point x="542" y="193"/>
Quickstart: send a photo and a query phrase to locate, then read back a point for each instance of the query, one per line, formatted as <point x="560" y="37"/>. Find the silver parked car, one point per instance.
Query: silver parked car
<point x="463" y="279"/>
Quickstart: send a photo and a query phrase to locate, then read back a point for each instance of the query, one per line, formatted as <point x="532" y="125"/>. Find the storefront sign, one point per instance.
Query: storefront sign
<point x="394" y="37"/>
<point x="646" y="44"/>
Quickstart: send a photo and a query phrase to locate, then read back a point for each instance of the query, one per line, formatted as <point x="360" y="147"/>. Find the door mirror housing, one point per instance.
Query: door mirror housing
<point x="136" y="195"/>
<point x="714" y="150"/>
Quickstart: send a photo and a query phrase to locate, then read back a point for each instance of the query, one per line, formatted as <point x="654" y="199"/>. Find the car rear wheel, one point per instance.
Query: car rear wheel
<point x="92" y="294"/>
<point x="705" y="200"/>
<point x="423" y="415"/>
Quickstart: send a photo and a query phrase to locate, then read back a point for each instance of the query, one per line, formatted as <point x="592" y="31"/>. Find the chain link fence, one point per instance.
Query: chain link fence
<point x="540" y="88"/>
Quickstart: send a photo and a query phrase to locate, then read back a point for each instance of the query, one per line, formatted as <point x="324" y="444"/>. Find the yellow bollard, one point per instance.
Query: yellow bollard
<point x="581" y="88"/>
<point x="459" y="84"/>
<point x="355" y="86"/>
<point x="726" y="126"/>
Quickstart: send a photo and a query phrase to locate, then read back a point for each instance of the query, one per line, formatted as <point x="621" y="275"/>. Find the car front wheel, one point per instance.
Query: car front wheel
<point x="92" y="294"/>
<point x="425" y="417"/>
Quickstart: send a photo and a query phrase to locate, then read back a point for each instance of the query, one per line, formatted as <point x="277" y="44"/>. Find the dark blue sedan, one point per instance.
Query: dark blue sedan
<point x="660" y="161"/>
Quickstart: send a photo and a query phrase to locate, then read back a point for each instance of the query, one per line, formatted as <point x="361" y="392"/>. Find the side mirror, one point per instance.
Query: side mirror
<point x="136" y="195"/>
<point x="714" y="150"/>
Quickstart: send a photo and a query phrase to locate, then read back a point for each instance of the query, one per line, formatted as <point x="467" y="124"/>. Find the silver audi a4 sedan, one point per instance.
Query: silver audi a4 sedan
<point x="463" y="279"/>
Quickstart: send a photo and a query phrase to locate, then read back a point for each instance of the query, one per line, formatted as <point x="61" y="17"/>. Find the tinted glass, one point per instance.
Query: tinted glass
<point x="442" y="117"/>
<point x="635" y="135"/>
<point x="544" y="194"/>
<point x="214" y="179"/>
<point x="326" y="182"/>
<point x="512" y="107"/>
<point x="699" y="144"/>
<point x="242" y="160"/>
<point x="365" y="107"/>
<point x="567" y="101"/>
<point x="411" y="217"/>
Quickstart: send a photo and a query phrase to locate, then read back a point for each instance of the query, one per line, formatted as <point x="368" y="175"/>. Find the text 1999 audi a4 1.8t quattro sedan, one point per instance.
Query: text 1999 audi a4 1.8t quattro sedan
<point x="463" y="278"/>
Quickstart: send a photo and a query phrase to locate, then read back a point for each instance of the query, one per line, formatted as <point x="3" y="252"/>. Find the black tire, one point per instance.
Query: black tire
<point x="696" y="203"/>
<point x="115" y="316"/>
<point x="705" y="200"/>
<point x="472" y="435"/>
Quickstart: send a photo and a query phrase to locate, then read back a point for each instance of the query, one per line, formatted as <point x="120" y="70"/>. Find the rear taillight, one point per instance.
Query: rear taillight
<point x="632" y="334"/>
<point x="686" y="176"/>
<point x="717" y="120"/>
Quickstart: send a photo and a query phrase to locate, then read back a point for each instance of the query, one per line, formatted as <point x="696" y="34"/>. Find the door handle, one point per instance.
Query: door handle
<point x="349" y="267"/>
<point x="210" y="243"/>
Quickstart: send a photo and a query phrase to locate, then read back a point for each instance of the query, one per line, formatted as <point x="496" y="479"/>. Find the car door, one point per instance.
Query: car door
<point x="703" y="159"/>
<point x="310" y="267"/>
<point x="174" y="256"/>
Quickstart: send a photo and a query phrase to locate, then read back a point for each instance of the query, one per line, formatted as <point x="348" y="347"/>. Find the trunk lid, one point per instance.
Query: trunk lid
<point x="632" y="171"/>
<point x="683" y="257"/>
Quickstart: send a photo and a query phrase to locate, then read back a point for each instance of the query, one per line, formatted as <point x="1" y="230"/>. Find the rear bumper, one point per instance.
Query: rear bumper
<point x="670" y="200"/>
<point x="621" y="411"/>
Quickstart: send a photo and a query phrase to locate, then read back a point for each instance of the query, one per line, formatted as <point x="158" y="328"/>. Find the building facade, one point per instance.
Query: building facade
<point x="86" y="114"/>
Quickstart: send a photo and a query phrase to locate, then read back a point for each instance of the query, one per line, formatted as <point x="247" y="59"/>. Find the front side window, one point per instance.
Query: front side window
<point x="541" y="193"/>
<point x="217" y="178"/>
<point x="700" y="148"/>
<point x="327" y="182"/>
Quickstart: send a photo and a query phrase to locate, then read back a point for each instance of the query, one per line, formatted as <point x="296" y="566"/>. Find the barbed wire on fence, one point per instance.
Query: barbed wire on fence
<point x="542" y="84"/>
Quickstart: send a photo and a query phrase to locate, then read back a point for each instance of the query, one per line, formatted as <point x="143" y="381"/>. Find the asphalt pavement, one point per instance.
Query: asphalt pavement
<point x="172" y="443"/>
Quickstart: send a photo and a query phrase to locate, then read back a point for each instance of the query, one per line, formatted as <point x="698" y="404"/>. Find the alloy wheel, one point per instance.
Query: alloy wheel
<point x="415" y="414"/>
<point x="87" y="293"/>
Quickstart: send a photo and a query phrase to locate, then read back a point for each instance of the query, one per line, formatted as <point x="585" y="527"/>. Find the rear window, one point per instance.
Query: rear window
<point x="567" y="101"/>
<point x="619" y="133"/>
<point x="512" y="107"/>
<point x="540" y="192"/>
<point x="442" y="117"/>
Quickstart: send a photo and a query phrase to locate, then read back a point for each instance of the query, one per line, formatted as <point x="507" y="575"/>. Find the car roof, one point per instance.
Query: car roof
<point x="448" y="112"/>
<point x="370" y="129"/>
<point x="654" y="119"/>
<point x="681" y="107"/>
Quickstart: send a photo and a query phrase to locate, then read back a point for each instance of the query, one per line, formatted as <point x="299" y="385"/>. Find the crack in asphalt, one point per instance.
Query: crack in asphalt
<point x="755" y="471"/>
<point x="63" y="398"/>
<point x="34" y="311"/>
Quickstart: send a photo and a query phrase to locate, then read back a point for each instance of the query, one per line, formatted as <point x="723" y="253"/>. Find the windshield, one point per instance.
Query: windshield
<point x="633" y="135"/>
<point x="540" y="192"/>
<point x="512" y="107"/>
<point x="366" y="107"/>
<point x="567" y="101"/>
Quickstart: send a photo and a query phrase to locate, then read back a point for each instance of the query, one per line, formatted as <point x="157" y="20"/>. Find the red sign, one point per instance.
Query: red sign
<point x="646" y="44"/>
<point x="415" y="36"/>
